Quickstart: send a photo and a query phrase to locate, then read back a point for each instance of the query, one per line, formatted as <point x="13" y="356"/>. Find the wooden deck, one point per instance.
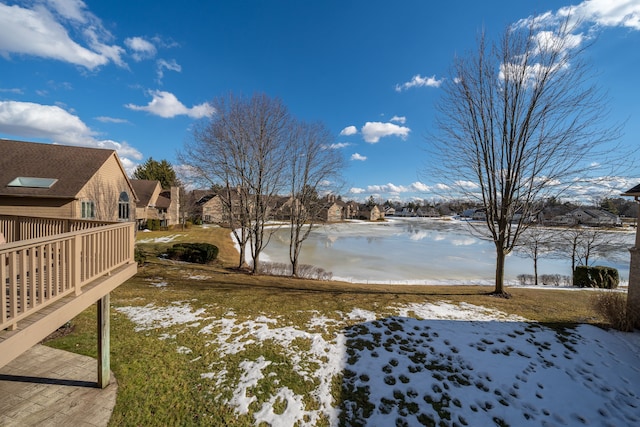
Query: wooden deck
<point x="54" y="271"/>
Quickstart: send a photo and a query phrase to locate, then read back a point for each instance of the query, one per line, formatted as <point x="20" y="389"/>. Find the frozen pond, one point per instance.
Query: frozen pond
<point x="421" y="250"/>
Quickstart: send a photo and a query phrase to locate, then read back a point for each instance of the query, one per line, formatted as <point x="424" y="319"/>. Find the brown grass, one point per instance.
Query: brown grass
<point x="550" y="305"/>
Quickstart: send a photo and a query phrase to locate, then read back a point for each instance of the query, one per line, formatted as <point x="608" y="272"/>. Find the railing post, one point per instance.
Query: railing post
<point x="76" y="265"/>
<point x="104" y="344"/>
<point x="132" y="242"/>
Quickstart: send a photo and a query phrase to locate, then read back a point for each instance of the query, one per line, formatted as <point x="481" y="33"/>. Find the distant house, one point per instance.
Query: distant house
<point x="427" y="212"/>
<point x="211" y="209"/>
<point x="389" y="211"/>
<point x="332" y="209"/>
<point x="372" y="213"/>
<point x="351" y="210"/>
<point x="479" y="215"/>
<point x="588" y="216"/>
<point x="63" y="181"/>
<point x="405" y="212"/>
<point x="155" y="203"/>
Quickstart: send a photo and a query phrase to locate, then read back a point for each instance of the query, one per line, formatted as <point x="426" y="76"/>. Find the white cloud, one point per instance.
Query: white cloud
<point x="467" y="185"/>
<point x="31" y="120"/>
<point x="165" y="104"/>
<point x="605" y="13"/>
<point x="11" y="90"/>
<point x="349" y="130"/>
<point x="373" y="131"/>
<point x="142" y="49"/>
<point x="402" y="120"/>
<point x="171" y="65"/>
<point x="73" y="10"/>
<point x="356" y="156"/>
<point x="338" y="145"/>
<point x="105" y="119"/>
<point x="419" y="81"/>
<point x="387" y="188"/>
<point x="41" y="32"/>
<point x="419" y="186"/>
<point x="356" y="190"/>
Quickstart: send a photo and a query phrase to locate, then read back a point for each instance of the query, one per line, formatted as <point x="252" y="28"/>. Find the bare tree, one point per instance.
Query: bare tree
<point x="244" y="149"/>
<point x="582" y="243"/>
<point x="313" y="168"/>
<point x="535" y="242"/>
<point x="518" y="120"/>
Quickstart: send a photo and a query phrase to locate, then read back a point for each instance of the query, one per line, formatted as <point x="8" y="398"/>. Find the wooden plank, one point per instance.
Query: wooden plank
<point x="104" y="343"/>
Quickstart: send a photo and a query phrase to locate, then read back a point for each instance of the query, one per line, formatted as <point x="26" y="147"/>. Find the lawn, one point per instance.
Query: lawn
<point x="206" y="345"/>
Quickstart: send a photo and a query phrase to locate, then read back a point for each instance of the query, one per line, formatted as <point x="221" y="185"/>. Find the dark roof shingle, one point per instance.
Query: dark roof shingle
<point x="71" y="166"/>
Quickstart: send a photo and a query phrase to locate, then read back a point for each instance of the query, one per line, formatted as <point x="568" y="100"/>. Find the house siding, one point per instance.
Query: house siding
<point x="42" y="207"/>
<point x="104" y="189"/>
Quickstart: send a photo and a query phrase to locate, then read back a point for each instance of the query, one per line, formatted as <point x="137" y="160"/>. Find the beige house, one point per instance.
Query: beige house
<point x="212" y="209"/>
<point x="53" y="263"/>
<point x="373" y="213"/>
<point x="156" y="203"/>
<point x="60" y="181"/>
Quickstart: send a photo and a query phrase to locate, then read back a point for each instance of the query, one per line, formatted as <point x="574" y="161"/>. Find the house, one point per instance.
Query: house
<point x="427" y="212"/>
<point x="372" y="213"/>
<point x="154" y="203"/>
<point x="479" y="214"/>
<point x="211" y="209"/>
<point x="588" y="216"/>
<point x="389" y="211"/>
<point x="66" y="221"/>
<point x="331" y="211"/>
<point x="351" y="210"/>
<point x="60" y="181"/>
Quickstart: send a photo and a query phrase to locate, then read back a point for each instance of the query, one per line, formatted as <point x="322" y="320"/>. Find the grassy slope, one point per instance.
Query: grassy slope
<point x="159" y="386"/>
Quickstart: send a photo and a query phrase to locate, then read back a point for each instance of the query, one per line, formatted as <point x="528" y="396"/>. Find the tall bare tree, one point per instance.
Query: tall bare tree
<point x="243" y="148"/>
<point x="518" y="120"/>
<point x="314" y="168"/>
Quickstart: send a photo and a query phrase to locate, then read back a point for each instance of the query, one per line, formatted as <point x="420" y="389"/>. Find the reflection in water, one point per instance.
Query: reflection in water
<point x="419" y="250"/>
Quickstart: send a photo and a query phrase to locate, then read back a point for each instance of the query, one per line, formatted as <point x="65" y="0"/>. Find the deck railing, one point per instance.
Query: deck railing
<point x="39" y="271"/>
<point x="16" y="228"/>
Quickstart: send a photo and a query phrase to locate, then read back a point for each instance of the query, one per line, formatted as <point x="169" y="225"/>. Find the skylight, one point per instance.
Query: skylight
<point x="31" y="182"/>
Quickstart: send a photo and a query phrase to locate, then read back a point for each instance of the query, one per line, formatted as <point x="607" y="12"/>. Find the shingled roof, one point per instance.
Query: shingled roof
<point x="144" y="189"/>
<point x="635" y="191"/>
<point x="71" y="166"/>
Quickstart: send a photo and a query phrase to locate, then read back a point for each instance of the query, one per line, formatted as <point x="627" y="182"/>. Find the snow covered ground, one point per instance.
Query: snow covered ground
<point x="427" y="364"/>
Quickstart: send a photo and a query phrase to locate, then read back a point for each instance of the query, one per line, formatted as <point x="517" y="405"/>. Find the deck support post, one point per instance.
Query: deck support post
<point x="104" y="362"/>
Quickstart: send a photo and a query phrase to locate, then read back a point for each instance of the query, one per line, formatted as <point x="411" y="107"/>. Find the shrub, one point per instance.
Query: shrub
<point x="305" y="271"/>
<point x="526" y="279"/>
<point x="596" y="277"/>
<point x="139" y="256"/>
<point x="153" y="224"/>
<point x="200" y="253"/>
<point x="613" y="307"/>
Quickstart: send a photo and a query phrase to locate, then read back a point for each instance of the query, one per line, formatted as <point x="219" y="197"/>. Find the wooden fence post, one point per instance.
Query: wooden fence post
<point x="104" y="347"/>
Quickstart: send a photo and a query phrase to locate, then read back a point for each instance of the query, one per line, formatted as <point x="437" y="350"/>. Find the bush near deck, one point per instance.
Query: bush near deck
<point x="201" y="253"/>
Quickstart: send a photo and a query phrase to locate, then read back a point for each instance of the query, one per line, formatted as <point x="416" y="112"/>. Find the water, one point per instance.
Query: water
<point x="422" y="250"/>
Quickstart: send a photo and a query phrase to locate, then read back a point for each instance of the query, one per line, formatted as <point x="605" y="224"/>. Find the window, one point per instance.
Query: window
<point x="32" y="182"/>
<point x="123" y="206"/>
<point x="88" y="209"/>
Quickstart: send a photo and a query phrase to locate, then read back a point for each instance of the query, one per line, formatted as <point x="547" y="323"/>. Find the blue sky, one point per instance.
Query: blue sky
<point x="136" y="75"/>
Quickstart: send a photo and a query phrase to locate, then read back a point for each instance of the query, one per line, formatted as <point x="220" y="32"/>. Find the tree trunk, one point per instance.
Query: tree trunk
<point x="294" y="267"/>
<point x="242" y="256"/>
<point x="500" y="260"/>
<point x="535" y="267"/>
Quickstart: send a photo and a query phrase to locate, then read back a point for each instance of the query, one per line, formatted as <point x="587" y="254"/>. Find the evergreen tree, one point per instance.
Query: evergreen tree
<point x="157" y="171"/>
